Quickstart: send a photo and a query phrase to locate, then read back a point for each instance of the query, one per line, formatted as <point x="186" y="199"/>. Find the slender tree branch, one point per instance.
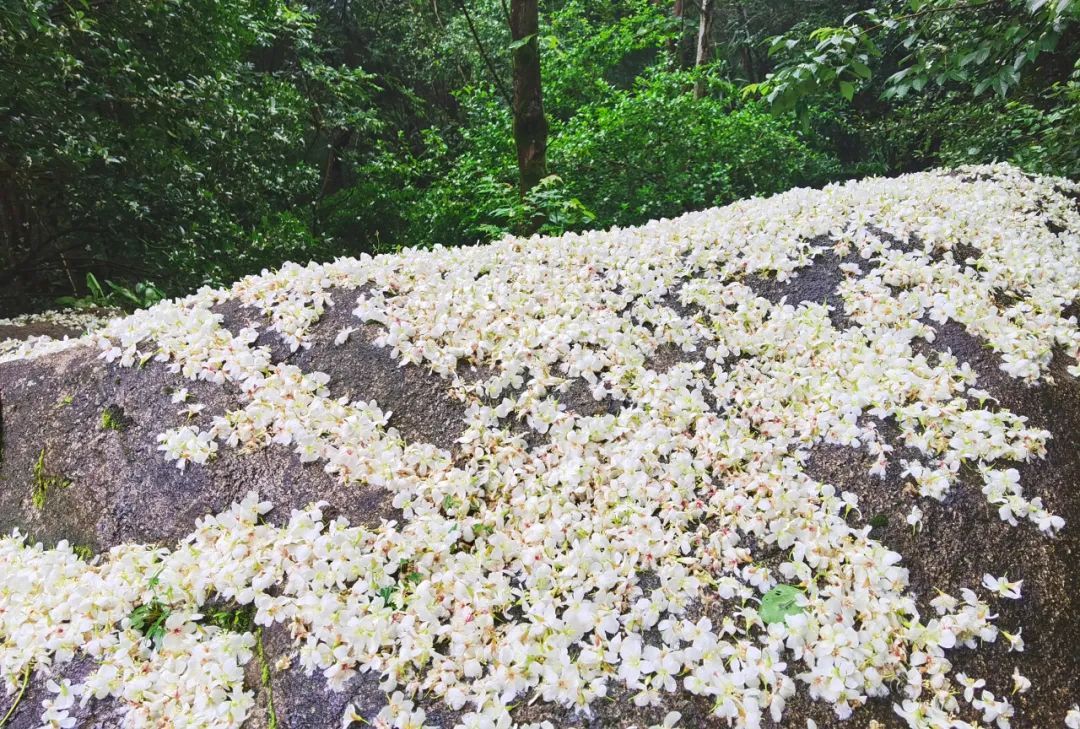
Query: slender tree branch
<point x="483" y="53"/>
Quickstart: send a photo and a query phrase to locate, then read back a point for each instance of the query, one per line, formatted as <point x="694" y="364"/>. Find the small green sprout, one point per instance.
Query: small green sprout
<point x="25" y="681"/>
<point x="264" y="676"/>
<point x="387" y="594"/>
<point x="149" y="619"/>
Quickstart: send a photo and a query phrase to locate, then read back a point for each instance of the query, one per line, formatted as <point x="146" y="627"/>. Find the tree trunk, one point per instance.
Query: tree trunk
<point x="703" y="44"/>
<point x="676" y="43"/>
<point x="746" y="49"/>
<point x="333" y="178"/>
<point x="530" y="125"/>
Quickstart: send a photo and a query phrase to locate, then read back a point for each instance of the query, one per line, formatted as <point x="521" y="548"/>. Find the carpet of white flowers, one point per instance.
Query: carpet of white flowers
<point x="516" y="572"/>
<point x="35" y="346"/>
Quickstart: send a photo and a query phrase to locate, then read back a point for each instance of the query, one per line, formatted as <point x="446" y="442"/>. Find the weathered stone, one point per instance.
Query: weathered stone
<point x="122" y="489"/>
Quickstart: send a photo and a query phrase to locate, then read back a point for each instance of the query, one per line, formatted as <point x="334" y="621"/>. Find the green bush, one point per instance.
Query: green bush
<point x="460" y="188"/>
<point x="649" y="151"/>
<point x="657" y="151"/>
<point x="160" y="140"/>
<point x="1040" y="134"/>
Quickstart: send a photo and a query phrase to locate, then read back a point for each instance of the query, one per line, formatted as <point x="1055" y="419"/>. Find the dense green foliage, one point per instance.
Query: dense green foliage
<point x="159" y="139"/>
<point x="653" y="151"/>
<point x="186" y="142"/>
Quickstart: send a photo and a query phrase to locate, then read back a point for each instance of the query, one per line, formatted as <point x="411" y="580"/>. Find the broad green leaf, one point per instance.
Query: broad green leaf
<point x="520" y="42"/>
<point x="95" y="288"/>
<point x="780" y="602"/>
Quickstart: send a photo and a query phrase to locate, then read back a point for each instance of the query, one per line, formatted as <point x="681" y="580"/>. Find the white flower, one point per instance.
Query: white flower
<point x="994" y="710"/>
<point x="343" y="335"/>
<point x="187" y="444"/>
<point x="1016" y="642"/>
<point x="1002" y="587"/>
<point x="914" y="517"/>
<point x="193" y="409"/>
<point x="1020" y="683"/>
<point x="671" y="720"/>
<point x="971" y="685"/>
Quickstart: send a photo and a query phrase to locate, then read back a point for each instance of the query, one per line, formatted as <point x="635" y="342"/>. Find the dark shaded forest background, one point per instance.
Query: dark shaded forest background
<point x="149" y="147"/>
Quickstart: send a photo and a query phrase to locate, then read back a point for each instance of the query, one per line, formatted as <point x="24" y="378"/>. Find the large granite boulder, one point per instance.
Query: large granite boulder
<point x="804" y="460"/>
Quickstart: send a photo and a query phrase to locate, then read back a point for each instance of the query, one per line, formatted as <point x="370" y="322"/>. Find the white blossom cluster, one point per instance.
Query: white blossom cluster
<point x="34" y="346"/>
<point x="54" y="606"/>
<point x="86" y="320"/>
<point x="518" y="572"/>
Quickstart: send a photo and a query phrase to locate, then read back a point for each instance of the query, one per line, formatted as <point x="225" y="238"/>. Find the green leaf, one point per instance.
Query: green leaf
<point x="780" y="602"/>
<point x="847" y="90"/>
<point x="149" y="619"/>
<point x="124" y="292"/>
<point x="95" y="287"/>
<point x="520" y="42"/>
<point x="35" y="22"/>
<point x="387" y="594"/>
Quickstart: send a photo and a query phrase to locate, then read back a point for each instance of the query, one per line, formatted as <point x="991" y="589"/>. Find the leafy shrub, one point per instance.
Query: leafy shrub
<point x="113" y="295"/>
<point x="456" y="194"/>
<point x="648" y="151"/>
<point x="656" y="151"/>
<point x="1038" y="134"/>
<point x="159" y="140"/>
